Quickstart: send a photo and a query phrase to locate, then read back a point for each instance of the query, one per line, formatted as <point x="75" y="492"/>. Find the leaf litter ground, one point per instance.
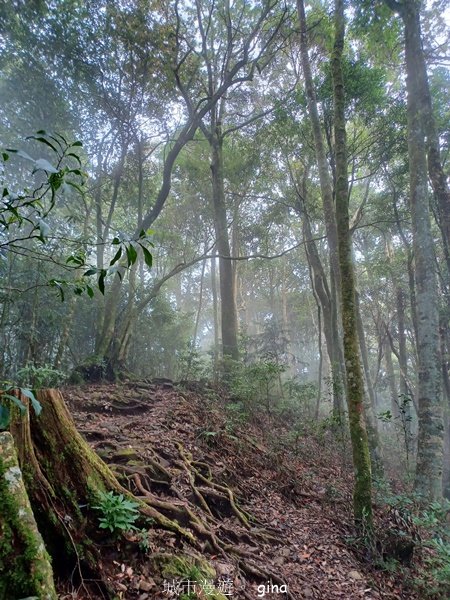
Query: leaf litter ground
<point x="265" y="512"/>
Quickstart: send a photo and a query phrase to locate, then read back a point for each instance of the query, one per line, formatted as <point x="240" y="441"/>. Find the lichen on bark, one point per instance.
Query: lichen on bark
<point x="362" y="495"/>
<point x="24" y="562"/>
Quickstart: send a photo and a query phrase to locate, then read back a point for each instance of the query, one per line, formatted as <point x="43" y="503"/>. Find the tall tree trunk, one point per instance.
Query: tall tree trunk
<point x="67" y="328"/>
<point x="328" y="204"/>
<point x="118" y="350"/>
<point x="428" y="480"/>
<point x="111" y="305"/>
<point x="286" y="332"/>
<point x="393" y="391"/>
<point x="30" y="334"/>
<point x="446" y="397"/>
<point x="216" y="318"/>
<point x="103" y="227"/>
<point x="362" y="496"/>
<point x="410" y="264"/>
<point x="235" y="245"/>
<point x="323" y="297"/>
<point x="402" y="355"/>
<point x="69" y="319"/>
<point x="227" y="294"/>
<point x="199" y="307"/>
<point x="369" y="398"/>
<point x="140" y="198"/>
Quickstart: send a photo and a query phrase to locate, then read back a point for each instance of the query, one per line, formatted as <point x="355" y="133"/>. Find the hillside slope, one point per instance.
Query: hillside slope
<point x="267" y="514"/>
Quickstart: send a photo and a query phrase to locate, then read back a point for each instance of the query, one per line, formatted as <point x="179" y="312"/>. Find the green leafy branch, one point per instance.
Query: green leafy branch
<point x="12" y="396"/>
<point x="125" y="257"/>
<point x="32" y="207"/>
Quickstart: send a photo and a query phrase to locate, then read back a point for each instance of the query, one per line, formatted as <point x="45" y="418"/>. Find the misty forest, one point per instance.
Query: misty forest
<point x="224" y="299"/>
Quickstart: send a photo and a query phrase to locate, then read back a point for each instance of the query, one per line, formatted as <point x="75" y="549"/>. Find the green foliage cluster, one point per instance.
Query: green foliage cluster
<point x="36" y="377"/>
<point x="161" y="332"/>
<point x="117" y="513"/>
<point x="396" y="434"/>
<point x="258" y="387"/>
<point x="299" y="400"/>
<point x="30" y="208"/>
<point x="198" y="573"/>
<point x="434" y="578"/>
<point x="433" y="523"/>
<point x="364" y="87"/>
<point x="434" y="581"/>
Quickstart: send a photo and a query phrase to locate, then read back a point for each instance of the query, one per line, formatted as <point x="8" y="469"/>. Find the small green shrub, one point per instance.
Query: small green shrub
<point x="93" y="368"/>
<point x="211" y="438"/>
<point x="117" y="513"/>
<point x="256" y="384"/>
<point x="299" y="401"/>
<point x="143" y="540"/>
<point x="236" y="416"/>
<point x="192" y="365"/>
<point x="433" y="518"/>
<point x="39" y="377"/>
<point x="434" y="581"/>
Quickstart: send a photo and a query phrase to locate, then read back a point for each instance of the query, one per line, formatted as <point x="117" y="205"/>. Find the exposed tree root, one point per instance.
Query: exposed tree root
<point x="62" y="475"/>
<point x="63" y="491"/>
<point x="182" y="513"/>
<point x="220" y="490"/>
<point x="205" y="533"/>
<point x="213" y="492"/>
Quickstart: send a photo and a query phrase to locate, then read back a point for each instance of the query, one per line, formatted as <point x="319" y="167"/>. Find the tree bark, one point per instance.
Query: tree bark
<point x="227" y="293"/>
<point x="444" y="335"/>
<point x="393" y="391"/>
<point x="199" y="306"/>
<point x="369" y="398"/>
<point x="323" y="297"/>
<point x="428" y="481"/>
<point x="362" y="497"/>
<point x="216" y="317"/>
<point x="24" y="563"/>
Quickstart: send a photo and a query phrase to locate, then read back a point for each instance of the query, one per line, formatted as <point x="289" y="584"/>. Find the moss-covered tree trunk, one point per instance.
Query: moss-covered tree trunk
<point x="369" y="398"/>
<point x="63" y="479"/>
<point x="25" y="565"/>
<point x="362" y="496"/>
